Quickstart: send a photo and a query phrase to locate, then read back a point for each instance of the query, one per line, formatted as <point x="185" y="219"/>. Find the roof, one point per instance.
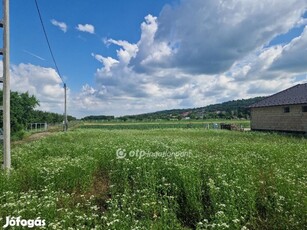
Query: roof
<point x="291" y="96"/>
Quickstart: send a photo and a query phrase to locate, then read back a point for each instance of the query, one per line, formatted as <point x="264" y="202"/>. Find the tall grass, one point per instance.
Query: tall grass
<point x="230" y="180"/>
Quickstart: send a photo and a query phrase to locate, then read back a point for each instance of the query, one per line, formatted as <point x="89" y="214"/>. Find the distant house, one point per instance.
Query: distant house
<point x="185" y="114"/>
<point x="285" y="111"/>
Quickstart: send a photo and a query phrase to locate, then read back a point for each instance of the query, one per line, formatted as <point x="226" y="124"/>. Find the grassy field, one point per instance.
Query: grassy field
<point x="207" y="124"/>
<point x="159" y="179"/>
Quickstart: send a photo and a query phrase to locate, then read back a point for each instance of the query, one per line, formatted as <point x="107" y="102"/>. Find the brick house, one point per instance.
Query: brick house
<point x="285" y="111"/>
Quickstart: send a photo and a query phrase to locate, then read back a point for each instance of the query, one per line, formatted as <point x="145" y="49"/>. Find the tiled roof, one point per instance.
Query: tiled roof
<point x="294" y="95"/>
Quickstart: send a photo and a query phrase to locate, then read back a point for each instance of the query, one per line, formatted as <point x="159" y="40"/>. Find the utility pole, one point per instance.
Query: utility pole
<point x="65" y="108"/>
<point x="65" y="124"/>
<point x="5" y="24"/>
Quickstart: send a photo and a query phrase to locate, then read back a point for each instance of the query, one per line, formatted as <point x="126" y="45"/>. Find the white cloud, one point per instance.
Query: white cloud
<point x="61" y="25"/>
<point x="43" y="83"/>
<point x="194" y="54"/>
<point x="107" y="62"/>
<point x="150" y="53"/>
<point x="293" y="57"/>
<point x="301" y="22"/>
<point x="127" y="52"/>
<point x="209" y="36"/>
<point x="86" y="28"/>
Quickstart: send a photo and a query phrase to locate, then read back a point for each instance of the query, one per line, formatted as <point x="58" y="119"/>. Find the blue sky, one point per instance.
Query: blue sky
<point x="72" y="50"/>
<point x="128" y="57"/>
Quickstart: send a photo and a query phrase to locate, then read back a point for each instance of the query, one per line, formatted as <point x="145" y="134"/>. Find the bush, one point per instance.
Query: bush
<point x="19" y="135"/>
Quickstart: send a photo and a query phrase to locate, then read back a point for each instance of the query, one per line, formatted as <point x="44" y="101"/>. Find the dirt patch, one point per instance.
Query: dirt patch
<point x="33" y="137"/>
<point x="100" y="184"/>
<point x="97" y="190"/>
<point x="37" y="136"/>
<point x="100" y="190"/>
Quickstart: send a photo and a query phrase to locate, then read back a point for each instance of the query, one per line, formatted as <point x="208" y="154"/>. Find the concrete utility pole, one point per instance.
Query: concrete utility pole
<point x="65" y="108"/>
<point x="6" y="87"/>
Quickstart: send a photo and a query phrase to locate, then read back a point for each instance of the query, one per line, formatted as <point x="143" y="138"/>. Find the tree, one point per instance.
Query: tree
<point x="22" y="112"/>
<point x="22" y="107"/>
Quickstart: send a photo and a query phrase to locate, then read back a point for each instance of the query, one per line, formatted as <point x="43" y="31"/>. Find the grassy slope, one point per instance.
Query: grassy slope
<point x="230" y="180"/>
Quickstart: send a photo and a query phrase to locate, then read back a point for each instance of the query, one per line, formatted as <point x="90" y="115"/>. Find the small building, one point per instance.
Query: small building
<point x="285" y="111"/>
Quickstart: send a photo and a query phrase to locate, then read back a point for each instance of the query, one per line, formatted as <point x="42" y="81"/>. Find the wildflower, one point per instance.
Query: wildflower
<point x="220" y="213"/>
<point x="236" y="221"/>
<point x="95" y="207"/>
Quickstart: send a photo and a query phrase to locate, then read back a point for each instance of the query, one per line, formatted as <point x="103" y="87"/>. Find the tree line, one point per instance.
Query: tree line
<point x="235" y="109"/>
<point x="23" y="112"/>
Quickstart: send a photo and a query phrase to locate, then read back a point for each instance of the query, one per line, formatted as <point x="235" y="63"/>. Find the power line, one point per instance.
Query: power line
<point x="56" y="67"/>
<point x="46" y="36"/>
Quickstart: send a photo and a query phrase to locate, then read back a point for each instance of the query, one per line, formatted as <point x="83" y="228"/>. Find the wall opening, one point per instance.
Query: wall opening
<point x="286" y="109"/>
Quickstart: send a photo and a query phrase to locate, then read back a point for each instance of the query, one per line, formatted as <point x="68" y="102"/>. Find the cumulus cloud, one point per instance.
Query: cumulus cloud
<point x="151" y="53"/>
<point x="107" y="62"/>
<point x="198" y="53"/>
<point x="127" y="51"/>
<point x="293" y="57"/>
<point x="43" y="83"/>
<point x="209" y="36"/>
<point x="116" y="78"/>
<point x="61" y="25"/>
<point x="86" y="28"/>
<point x="256" y="65"/>
<point x="193" y="54"/>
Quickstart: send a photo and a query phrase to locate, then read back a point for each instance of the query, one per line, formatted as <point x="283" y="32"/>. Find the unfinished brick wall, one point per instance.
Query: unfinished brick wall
<point x="275" y="119"/>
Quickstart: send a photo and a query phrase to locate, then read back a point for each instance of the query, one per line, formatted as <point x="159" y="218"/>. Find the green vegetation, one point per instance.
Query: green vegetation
<point x="99" y="117"/>
<point x="22" y="107"/>
<point x="228" y="180"/>
<point x="236" y="109"/>
<point x="208" y="124"/>
<point x="23" y="112"/>
<point x="49" y="117"/>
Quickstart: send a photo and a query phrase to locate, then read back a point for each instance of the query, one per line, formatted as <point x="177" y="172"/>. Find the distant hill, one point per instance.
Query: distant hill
<point x="226" y="110"/>
<point x="236" y="109"/>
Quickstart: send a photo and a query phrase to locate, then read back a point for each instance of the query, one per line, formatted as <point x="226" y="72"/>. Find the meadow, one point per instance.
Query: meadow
<point x="173" y="178"/>
<point x="183" y="124"/>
